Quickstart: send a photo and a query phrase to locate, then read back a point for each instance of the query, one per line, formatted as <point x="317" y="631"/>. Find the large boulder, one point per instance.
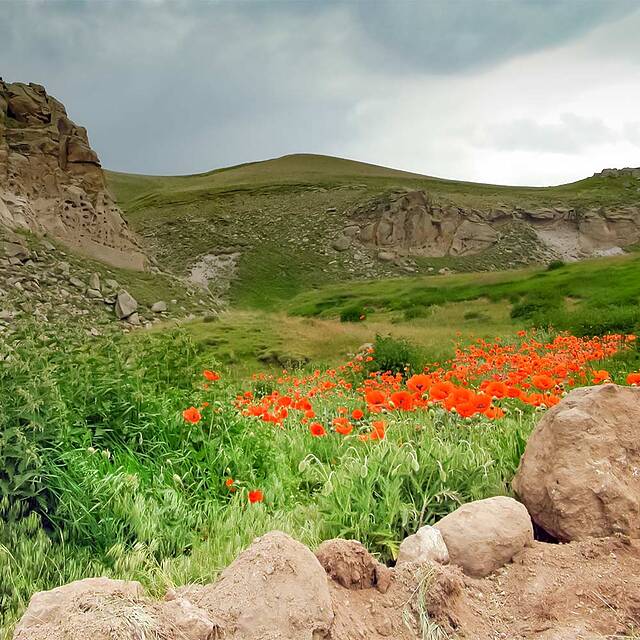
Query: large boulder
<point x="426" y="545"/>
<point x="484" y="535"/>
<point x="274" y="589"/>
<point x="580" y="472"/>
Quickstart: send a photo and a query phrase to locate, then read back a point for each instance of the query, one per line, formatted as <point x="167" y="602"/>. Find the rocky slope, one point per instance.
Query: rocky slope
<point x="308" y="220"/>
<point x="51" y="182"/>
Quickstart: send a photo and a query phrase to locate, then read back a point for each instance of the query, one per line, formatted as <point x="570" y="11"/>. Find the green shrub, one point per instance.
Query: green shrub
<point x="396" y="355"/>
<point x="555" y="264"/>
<point x="414" y="312"/>
<point x="352" y="314"/>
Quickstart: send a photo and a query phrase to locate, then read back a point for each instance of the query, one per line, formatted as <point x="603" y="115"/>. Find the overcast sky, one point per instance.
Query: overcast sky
<point x="510" y="91"/>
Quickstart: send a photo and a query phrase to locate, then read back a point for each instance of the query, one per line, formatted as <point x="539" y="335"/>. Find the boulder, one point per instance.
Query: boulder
<point x="274" y="589"/>
<point x="126" y="305"/>
<point x="341" y="243"/>
<point x="426" y="545"/>
<point x="579" y="476"/>
<point x="484" y="535"/>
<point x="159" y="307"/>
<point x="352" y="566"/>
<point x="66" y="612"/>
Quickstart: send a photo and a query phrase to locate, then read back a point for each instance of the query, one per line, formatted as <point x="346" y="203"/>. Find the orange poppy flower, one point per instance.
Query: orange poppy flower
<point x="256" y="496"/>
<point x="357" y="414"/>
<point x="192" y="415"/>
<point x="211" y="375"/>
<point x="419" y="383"/>
<point x="633" y="379"/>
<point x="342" y="426"/>
<point x="543" y="382"/>
<point x="402" y="400"/>
<point x="317" y="430"/>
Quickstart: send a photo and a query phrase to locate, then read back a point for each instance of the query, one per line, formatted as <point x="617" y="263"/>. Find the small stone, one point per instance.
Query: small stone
<point x="133" y="319"/>
<point x="94" y="282"/>
<point x="341" y="243"/>
<point x="159" y="307"/>
<point x="425" y="545"/>
<point x="76" y="282"/>
<point x="94" y="293"/>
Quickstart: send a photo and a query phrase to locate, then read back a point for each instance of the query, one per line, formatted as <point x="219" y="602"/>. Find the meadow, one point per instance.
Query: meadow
<point x="146" y="456"/>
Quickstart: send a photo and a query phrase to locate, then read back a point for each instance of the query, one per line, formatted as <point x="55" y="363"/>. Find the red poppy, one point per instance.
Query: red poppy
<point x="317" y="430"/>
<point x="192" y="415"/>
<point x="418" y="383"/>
<point x="211" y="375"/>
<point x="342" y="426"/>
<point x="256" y="496"/>
<point x="633" y="379"/>
<point x="402" y="400"/>
<point x="357" y="414"/>
<point x="543" y="382"/>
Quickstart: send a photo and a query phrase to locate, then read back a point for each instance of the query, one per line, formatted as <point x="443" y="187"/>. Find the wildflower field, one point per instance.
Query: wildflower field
<point x="144" y="458"/>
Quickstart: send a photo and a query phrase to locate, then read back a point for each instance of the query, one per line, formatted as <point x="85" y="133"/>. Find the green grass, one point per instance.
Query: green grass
<point x="282" y="215"/>
<point x="101" y="475"/>
<point x="590" y="297"/>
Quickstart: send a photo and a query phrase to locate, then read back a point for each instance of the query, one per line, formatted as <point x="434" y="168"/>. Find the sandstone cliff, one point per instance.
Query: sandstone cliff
<point x="413" y="223"/>
<point x="51" y="182"/>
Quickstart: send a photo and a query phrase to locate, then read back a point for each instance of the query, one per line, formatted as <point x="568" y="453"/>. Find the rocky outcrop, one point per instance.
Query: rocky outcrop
<point x="579" y="476"/>
<point x="415" y="224"/>
<point x="51" y="182"/>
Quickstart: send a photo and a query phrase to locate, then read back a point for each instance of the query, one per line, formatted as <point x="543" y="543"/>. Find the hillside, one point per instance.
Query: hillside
<point x="271" y="229"/>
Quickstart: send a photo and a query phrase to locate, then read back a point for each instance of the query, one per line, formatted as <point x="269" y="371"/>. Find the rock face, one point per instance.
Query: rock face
<point x="414" y="223"/>
<point x="51" y="181"/>
<point x="427" y="544"/>
<point x="580" y="473"/>
<point x="484" y="535"/>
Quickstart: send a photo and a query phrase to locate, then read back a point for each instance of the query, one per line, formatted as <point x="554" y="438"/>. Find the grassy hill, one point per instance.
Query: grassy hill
<point x="279" y="218"/>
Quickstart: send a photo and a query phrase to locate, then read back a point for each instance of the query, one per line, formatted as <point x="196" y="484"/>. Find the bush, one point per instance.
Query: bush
<point x="594" y="322"/>
<point x="396" y="355"/>
<point x="352" y="314"/>
<point x="416" y="312"/>
<point x="535" y="306"/>
<point x="555" y="264"/>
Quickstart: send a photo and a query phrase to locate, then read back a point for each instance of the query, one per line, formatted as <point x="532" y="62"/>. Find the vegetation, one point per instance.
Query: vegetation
<point x="281" y="217"/>
<point x="159" y="455"/>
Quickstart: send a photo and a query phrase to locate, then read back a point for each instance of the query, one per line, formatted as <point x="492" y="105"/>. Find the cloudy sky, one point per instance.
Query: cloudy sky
<point x="506" y="91"/>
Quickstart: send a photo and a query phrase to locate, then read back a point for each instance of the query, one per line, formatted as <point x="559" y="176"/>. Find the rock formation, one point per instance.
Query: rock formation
<point x="414" y="224"/>
<point x="579" y="476"/>
<point x="51" y="182"/>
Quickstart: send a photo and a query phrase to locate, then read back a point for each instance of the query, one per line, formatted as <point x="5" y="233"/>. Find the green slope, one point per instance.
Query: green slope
<point x="281" y="216"/>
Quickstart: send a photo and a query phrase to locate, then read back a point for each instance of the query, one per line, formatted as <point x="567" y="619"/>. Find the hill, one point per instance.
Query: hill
<point x="269" y="230"/>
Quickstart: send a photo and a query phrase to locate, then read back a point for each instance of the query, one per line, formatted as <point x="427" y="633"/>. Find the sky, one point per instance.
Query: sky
<point x="532" y="92"/>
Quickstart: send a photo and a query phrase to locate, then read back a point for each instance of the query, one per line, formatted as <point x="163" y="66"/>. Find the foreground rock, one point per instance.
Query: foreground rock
<point x="579" y="476"/>
<point x="51" y="181"/>
<point x="546" y="593"/>
<point x="71" y="611"/>
<point x="426" y="545"/>
<point x="126" y="305"/>
<point x="352" y="566"/>
<point x="274" y="589"/>
<point x="484" y="535"/>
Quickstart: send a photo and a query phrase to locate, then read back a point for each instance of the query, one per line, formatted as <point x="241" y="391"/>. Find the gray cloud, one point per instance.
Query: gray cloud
<point x="179" y="87"/>
<point x="571" y="134"/>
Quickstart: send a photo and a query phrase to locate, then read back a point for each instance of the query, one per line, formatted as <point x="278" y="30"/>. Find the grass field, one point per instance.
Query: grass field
<point x="282" y="215"/>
